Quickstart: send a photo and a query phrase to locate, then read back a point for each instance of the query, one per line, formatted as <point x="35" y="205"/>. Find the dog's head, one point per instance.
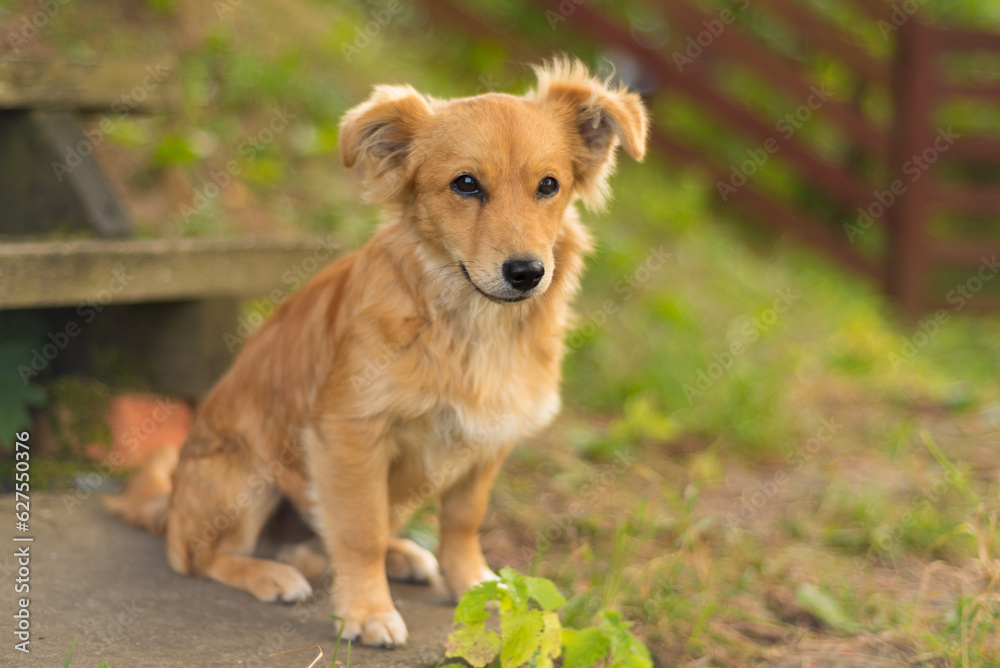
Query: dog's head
<point x="486" y="180"/>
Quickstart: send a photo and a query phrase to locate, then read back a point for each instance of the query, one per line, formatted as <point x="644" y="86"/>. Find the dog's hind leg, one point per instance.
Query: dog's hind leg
<point x="405" y="561"/>
<point x="217" y="510"/>
<point x="268" y="580"/>
<point x="308" y="557"/>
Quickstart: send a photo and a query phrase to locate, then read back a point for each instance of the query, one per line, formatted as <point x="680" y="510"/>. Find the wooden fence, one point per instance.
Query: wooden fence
<point x="882" y="192"/>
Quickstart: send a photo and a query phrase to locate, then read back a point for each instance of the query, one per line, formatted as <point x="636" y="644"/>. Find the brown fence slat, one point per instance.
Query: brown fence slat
<point x="980" y="303"/>
<point x="974" y="149"/>
<point x="971" y="91"/>
<point x="769" y="213"/>
<point x="784" y="73"/>
<point x="968" y="200"/>
<point x="827" y="37"/>
<point x="952" y="39"/>
<point x="963" y="254"/>
<point x="913" y="94"/>
<point x="876" y="10"/>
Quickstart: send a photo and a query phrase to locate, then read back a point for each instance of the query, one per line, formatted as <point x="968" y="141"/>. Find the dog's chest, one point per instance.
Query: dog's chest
<point x="488" y="390"/>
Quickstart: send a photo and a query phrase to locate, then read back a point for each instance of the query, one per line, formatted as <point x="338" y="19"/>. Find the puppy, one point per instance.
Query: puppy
<point x="406" y="370"/>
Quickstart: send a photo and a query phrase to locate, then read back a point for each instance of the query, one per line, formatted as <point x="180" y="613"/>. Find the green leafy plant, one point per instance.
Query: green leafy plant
<point x="531" y="633"/>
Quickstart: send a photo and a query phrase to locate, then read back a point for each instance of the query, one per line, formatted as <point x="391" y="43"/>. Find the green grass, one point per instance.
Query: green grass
<point x="69" y="657"/>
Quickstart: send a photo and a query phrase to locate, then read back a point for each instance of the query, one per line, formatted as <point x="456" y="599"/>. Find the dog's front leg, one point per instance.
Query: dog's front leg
<point x="351" y="471"/>
<point x="462" y="509"/>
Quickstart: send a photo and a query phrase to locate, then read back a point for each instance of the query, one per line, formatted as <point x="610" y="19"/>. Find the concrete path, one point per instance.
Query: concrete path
<point x="108" y="586"/>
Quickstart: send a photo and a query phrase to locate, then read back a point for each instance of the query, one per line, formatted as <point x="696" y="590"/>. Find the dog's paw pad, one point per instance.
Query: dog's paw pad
<point x="460" y="585"/>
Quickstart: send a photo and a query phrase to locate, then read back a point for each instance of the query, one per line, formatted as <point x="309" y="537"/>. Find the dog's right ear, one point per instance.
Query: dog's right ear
<point x="379" y="132"/>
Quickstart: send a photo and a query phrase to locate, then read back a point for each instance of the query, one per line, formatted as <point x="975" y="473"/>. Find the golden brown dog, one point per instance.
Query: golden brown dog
<point x="406" y="370"/>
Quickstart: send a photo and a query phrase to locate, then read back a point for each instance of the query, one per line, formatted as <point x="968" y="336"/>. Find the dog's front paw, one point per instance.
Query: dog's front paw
<point x="462" y="581"/>
<point x="380" y="629"/>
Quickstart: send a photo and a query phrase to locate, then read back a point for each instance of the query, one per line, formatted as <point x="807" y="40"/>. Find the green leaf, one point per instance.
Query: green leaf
<point x="522" y="635"/>
<point x="585" y="648"/>
<point x="824" y="608"/>
<point x="474" y="643"/>
<point x="632" y="661"/>
<point x="513" y="583"/>
<point x="174" y="150"/>
<point x="550" y="645"/>
<point x="472" y="606"/>
<point x="544" y="593"/>
<point x="613" y="619"/>
<point x="627" y="650"/>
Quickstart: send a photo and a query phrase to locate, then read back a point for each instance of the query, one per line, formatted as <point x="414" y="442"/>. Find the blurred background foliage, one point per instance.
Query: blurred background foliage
<point x="242" y="62"/>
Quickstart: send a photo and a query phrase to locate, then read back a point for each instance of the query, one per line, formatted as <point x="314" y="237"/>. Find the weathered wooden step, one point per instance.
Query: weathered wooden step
<point x="122" y="87"/>
<point x="49" y="274"/>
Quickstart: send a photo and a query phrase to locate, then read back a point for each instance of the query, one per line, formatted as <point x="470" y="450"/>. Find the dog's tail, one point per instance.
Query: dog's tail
<point x="147" y="493"/>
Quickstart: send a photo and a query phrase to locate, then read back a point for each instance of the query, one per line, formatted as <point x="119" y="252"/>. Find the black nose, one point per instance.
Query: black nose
<point x="523" y="274"/>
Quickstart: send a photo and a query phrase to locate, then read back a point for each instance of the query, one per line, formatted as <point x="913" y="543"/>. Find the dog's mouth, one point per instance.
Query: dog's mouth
<point x="494" y="298"/>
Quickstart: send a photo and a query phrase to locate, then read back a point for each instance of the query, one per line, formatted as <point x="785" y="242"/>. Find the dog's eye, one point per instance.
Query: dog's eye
<point x="548" y="187"/>
<point x="465" y="185"/>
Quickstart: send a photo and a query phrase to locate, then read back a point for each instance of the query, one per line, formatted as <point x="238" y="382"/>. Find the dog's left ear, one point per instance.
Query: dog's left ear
<point x="599" y="118"/>
<point x="379" y="133"/>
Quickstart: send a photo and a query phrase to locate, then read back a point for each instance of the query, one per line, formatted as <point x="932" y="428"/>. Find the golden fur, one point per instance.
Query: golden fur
<point x="404" y="371"/>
